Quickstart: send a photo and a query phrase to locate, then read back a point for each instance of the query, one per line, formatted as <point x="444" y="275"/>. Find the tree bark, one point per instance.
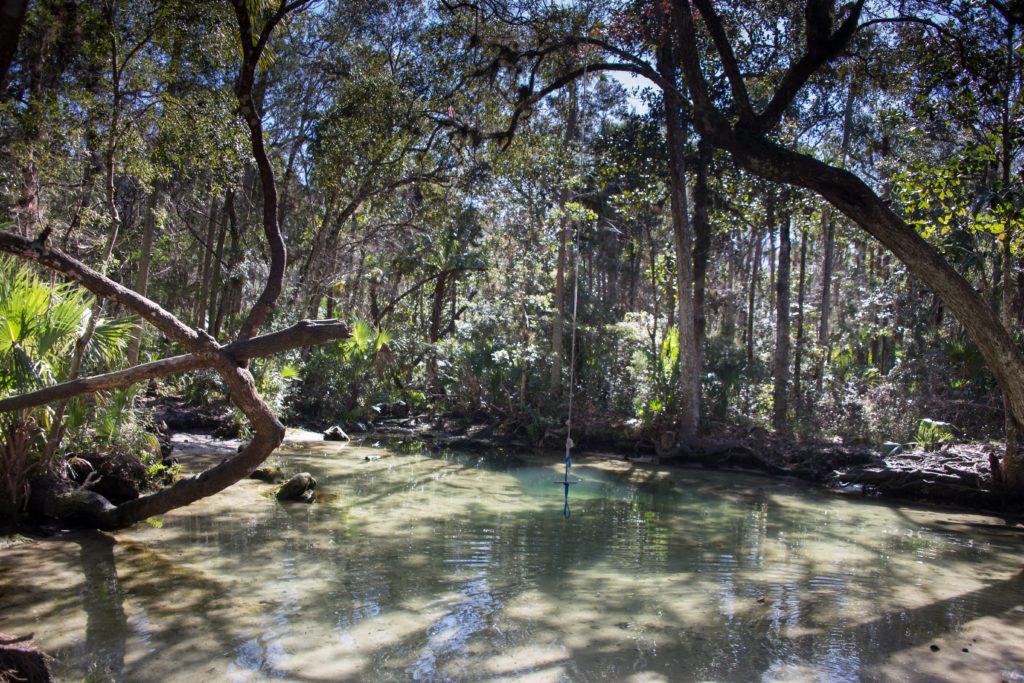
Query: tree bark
<point x="689" y="372"/>
<point x="780" y="409"/>
<point x="799" y="350"/>
<point x="145" y="257"/>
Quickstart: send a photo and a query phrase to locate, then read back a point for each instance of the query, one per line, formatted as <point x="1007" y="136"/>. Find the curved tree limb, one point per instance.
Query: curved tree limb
<point x="252" y="49"/>
<point x="820" y="51"/>
<point x="268" y="432"/>
<point x="304" y="333"/>
<point x="100" y="285"/>
<point x="848" y="193"/>
<point x="729" y="63"/>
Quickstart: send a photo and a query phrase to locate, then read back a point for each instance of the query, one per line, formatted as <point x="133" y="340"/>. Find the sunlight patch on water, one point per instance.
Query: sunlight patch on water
<point x="462" y="567"/>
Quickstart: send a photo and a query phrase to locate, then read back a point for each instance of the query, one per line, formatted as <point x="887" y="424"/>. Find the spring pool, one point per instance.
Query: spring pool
<point x="459" y="567"/>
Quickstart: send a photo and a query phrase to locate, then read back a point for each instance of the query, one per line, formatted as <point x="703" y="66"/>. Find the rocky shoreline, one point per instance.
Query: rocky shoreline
<point x="955" y="474"/>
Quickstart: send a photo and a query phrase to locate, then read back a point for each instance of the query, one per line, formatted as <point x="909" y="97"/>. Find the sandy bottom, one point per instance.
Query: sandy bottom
<point x="463" y="568"/>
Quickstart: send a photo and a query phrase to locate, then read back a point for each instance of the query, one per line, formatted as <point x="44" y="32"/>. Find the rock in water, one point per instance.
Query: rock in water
<point x="299" y="488"/>
<point x="22" y="662"/>
<point x="267" y="473"/>
<point x="335" y="433"/>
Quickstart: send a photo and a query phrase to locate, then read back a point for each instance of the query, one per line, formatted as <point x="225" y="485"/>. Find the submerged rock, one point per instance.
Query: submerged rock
<point x="80" y="505"/>
<point x="299" y="488"/>
<point x="22" y="662"/>
<point x="268" y="473"/>
<point x="336" y="433"/>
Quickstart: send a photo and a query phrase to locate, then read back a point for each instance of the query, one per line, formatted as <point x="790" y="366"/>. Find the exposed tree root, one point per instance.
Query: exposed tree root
<point x="21" y="662"/>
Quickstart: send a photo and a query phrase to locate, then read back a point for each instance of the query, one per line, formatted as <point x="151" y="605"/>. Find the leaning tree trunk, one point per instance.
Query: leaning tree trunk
<point x="748" y="143"/>
<point x="267" y="430"/>
<point x="850" y="195"/>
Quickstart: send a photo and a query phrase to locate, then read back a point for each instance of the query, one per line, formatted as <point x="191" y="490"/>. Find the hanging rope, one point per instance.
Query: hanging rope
<point x="572" y="375"/>
<point x="569" y="444"/>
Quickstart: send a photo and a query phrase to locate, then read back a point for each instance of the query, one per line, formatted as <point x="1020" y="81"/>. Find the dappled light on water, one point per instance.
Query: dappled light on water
<point x="457" y="567"/>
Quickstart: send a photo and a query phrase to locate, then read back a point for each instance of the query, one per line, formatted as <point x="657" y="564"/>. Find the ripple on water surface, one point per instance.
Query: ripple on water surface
<point x="464" y="568"/>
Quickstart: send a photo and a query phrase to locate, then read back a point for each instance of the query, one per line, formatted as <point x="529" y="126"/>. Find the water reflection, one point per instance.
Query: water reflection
<point x="457" y="568"/>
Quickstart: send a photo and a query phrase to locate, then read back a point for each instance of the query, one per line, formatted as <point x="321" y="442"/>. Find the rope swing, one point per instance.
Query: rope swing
<point x="566" y="481"/>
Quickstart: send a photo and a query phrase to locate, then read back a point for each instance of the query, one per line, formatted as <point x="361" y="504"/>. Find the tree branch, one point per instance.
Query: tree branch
<point x="302" y="334"/>
<point x="729" y="63"/>
<point x="267" y="300"/>
<point x="99" y="285"/>
<point x="819" y="51"/>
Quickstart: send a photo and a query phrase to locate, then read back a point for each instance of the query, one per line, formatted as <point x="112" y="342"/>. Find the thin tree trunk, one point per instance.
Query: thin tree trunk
<point x="216" y="284"/>
<point x="206" y="274"/>
<point x="1013" y="470"/>
<point x="656" y="367"/>
<point x="755" y="271"/>
<point x="780" y="416"/>
<point x="564" y="232"/>
<point x="701" y="247"/>
<point x="828" y="229"/>
<point x="145" y="258"/>
<point x="436" y="311"/>
<point x="229" y="279"/>
<point x="799" y="350"/>
<point x="730" y="312"/>
<point x="689" y="370"/>
<point x="771" y="263"/>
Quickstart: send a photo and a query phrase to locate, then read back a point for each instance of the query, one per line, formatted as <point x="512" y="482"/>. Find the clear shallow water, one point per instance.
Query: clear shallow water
<point x="462" y="568"/>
